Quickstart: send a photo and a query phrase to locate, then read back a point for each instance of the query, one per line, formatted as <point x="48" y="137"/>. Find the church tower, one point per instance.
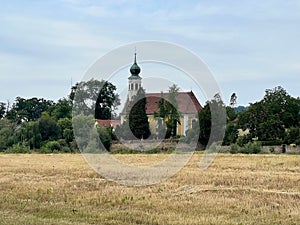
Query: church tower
<point x="134" y="81"/>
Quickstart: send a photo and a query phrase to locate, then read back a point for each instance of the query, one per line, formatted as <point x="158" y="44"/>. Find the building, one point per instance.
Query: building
<point x="188" y="105"/>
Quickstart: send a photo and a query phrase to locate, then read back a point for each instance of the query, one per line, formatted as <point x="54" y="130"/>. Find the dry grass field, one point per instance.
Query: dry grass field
<point x="235" y="189"/>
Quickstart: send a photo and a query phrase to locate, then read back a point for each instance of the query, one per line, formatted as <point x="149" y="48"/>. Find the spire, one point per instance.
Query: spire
<point x="135" y="69"/>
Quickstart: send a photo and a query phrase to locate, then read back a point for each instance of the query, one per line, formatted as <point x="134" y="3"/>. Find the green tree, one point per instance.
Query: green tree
<point x="66" y="129"/>
<point x="292" y="136"/>
<point x="231" y="134"/>
<point x="233" y="99"/>
<point x="48" y="127"/>
<point x="2" y="109"/>
<point x="28" y="109"/>
<point x="268" y="119"/>
<point x="96" y="98"/>
<point x="105" y="137"/>
<point x="168" y="112"/>
<point x="62" y="109"/>
<point x="172" y="108"/>
<point x="29" y="135"/>
<point x="212" y="121"/>
<point x="138" y="120"/>
<point x="6" y="133"/>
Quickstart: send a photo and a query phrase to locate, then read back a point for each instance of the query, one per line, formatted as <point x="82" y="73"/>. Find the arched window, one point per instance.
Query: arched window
<point x="136" y="86"/>
<point x="131" y="86"/>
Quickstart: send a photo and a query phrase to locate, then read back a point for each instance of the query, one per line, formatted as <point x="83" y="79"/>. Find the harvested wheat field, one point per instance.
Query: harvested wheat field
<point x="235" y="189"/>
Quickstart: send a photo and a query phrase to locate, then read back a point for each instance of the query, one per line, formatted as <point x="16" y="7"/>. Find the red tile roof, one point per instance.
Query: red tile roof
<point x="108" y="123"/>
<point x="187" y="102"/>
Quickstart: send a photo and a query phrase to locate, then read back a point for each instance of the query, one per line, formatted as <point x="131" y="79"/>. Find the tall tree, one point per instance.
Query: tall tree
<point x="96" y="98"/>
<point x="7" y="129"/>
<point x="269" y="118"/>
<point x="172" y="108"/>
<point x="212" y="121"/>
<point x="62" y="109"/>
<point x="48" y="127"/>
<point x="2" y="109"/>
<point x="168" y="111"/>
<point x="28" y="109"/>
<point x="138" y="120"/>
<point x="233" y="99"/>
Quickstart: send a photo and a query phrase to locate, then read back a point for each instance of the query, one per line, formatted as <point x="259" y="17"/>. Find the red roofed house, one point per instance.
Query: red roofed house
<point x="188" y="105"/>
<point x="108" y="123"/>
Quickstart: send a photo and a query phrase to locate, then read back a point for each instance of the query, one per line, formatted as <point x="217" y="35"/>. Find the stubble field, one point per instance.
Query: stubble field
<point x="235" y="189"/>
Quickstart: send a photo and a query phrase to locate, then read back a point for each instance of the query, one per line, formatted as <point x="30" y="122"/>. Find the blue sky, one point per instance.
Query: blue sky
<point x="249" y="46"/>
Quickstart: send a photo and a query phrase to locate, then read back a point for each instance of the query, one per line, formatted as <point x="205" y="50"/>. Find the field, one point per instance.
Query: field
<point x="235" y="189"/>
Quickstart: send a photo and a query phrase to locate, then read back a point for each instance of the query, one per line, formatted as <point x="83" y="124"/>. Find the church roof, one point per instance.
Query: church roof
<point x="187" y="103"/>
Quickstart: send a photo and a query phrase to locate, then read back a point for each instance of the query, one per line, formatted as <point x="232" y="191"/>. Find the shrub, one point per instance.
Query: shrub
<point x="105" y="137"/>
<point x="19" y="148"/>
<point x="249" y="148"/>
<point x="252" y="148"/>
<point x="234" y="148"/>
<point x="51" y="146"/>
<point x="243" y="140"/>
<point x="190" y="136"/>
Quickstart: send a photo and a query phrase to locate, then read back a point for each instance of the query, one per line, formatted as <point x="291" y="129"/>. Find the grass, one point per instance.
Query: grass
<point x="235" y="189"/>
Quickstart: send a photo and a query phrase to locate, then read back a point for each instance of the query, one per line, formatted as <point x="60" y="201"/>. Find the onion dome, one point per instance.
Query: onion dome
<point x="135" y="69"/>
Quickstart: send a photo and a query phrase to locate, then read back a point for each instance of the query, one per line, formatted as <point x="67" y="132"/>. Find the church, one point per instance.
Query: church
<point x="188" y="105"/>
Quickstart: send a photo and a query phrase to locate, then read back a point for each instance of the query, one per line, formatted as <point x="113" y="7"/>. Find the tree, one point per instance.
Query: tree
<point x="138" y="120"/>
<point x="212" y="121"/>
<point x="168" y="112"/>
<point x="172" y="109"/>
<point x="89" y="138"/>
<point x="6" y="133"/>
<point x="231" y="134"/>
<point x="233" y="100"/>
<point x="268" y="119"/>
<point x="62" y="109"/>
<point x="292" y="136"/>
<point x="96" y="98"/>
<point x="28" y="109"/>
<point x="2" y="109"/>
<point x="231" y="114"/>
<point x="48" y="127"/>
<point x="29" y="135"/>
<point x="66" y="129"/>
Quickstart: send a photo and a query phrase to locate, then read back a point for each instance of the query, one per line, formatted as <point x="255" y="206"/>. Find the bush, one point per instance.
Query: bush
<point x="105" y="137"/>
<point x="252" y="148"/>
<point x="249" y="148"/>
<point x="190" y="136"/>
<point x="234" y="148"/>
<point x="18" y="148"/>
<point x="243" y="140"/>
<point x="51" y="146"/>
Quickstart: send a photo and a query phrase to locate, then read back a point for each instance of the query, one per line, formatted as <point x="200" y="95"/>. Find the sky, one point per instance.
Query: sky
<point x="249" y="46"/>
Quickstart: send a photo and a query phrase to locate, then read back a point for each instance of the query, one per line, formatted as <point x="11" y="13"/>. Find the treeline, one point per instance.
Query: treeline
<point x="274" y="120"/>
<point x="37" y="124"/>
<point x="45" y="126"/>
